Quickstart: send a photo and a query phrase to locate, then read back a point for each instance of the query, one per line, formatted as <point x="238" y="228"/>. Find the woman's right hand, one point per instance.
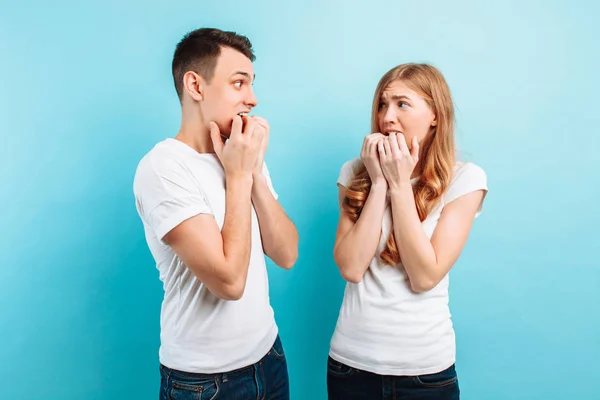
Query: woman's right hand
<point x="369" y="155"/>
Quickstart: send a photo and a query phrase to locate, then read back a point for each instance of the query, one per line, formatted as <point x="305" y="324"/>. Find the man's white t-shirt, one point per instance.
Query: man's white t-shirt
<point x="385" y="327"/>
<point x="200" y="333"/>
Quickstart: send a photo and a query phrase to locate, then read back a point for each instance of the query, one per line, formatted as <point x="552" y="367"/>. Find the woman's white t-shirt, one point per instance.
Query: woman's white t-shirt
<point x="384" y="326"/>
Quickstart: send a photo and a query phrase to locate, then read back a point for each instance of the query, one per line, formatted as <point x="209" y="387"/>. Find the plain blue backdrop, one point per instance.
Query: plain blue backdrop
<point x="86" y="90"/>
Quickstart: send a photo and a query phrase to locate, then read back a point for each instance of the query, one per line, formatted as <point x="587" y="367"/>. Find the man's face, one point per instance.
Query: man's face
<point x="230" y="90"/>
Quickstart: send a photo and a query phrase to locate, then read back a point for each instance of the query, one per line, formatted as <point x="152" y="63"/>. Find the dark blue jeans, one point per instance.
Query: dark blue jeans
<point x="267" y="379"/>
<point x="347" y="383"/>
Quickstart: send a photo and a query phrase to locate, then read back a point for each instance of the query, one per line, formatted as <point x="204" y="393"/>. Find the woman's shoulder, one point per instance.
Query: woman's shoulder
<point x="353" y="163"/>
<point x="467" y="170"/>
<point x="467" y="177"/>
<point x="348" y="170"/>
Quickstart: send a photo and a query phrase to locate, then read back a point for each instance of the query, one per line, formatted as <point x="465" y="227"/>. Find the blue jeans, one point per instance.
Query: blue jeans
<point x="347" y="383"/>
<point x="267" y="379"/>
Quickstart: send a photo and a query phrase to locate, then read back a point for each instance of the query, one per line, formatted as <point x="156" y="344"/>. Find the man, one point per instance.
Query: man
<point x="210" y="213"/>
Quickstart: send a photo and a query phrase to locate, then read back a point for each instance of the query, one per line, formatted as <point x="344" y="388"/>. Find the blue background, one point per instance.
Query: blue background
<point x="86" y="90"/>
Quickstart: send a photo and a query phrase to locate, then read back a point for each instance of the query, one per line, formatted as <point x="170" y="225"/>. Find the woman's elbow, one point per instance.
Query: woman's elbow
<point x="423" y="284"/>
<point x="351" y="276"/>
<point x="349" y="272"/>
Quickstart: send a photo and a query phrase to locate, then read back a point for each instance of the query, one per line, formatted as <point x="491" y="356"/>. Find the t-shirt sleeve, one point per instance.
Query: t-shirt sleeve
<point x="267" y="176"/>
<point x="347" y="172"/>
<point x="166" y="195"/>
<point x="468" y="178"/>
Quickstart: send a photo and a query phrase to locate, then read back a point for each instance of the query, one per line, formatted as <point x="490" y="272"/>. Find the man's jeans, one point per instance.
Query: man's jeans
<point x="267" y="379"/>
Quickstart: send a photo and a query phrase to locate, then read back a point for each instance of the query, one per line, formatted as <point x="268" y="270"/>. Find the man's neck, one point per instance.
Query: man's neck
<point x="195" y="134"/>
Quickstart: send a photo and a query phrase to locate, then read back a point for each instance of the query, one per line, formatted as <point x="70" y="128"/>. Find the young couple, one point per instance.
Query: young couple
<point x="210" y="214"/>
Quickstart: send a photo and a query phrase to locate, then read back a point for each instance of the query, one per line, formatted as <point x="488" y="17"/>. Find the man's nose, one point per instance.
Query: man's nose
<point x="251" y="101"/>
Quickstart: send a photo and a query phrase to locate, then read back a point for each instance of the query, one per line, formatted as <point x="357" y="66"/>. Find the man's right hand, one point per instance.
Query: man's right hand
<point x="238" y="156"/>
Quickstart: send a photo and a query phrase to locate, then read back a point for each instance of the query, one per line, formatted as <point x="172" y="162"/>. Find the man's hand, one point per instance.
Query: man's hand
<point x="262" y="126"/>
<point x="239" y="155"/>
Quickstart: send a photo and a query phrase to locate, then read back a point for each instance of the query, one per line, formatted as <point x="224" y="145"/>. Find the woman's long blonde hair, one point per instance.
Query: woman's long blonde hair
<point x="436" y="156"/>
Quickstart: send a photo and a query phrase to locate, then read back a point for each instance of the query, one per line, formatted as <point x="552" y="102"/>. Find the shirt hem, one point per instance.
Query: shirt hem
<point x="391" y="370"/>
<point x="227" y="367"/>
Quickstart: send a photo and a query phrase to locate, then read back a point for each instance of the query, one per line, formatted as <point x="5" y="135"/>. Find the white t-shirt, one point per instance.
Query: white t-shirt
<point x="200" y="333"/>
<point x="385" y="327"/>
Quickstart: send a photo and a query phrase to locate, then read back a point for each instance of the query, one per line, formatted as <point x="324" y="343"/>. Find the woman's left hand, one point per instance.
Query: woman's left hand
<point x="397" y="162"/>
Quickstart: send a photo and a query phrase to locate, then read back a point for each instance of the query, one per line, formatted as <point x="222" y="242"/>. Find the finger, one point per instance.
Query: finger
<point x="415" y="149"/>
<point x="366" y="145"/>
<point x="373" y="148"/>
<point x="387" y="147"/>
<point x="261" y="121"/>
<point x="402" y="143"/>
<point x="265" y="125"/>
<point x="236" y="127"/>
<point x="249" y="127"/>
<point x="394" y="147"/>
<point x="215" y="135"/>
<point x="260" y="134"/>
<point x="375" y="137"/>
<point x="381" y="148"/>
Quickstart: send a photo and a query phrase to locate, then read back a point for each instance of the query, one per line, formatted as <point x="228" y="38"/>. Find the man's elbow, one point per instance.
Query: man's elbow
<point x="288" y="260"/>
<point x="229" y="289"/>
<point x="284" y="257"/>
<point x="225" y="285"/>
<point x="231" y="292"/>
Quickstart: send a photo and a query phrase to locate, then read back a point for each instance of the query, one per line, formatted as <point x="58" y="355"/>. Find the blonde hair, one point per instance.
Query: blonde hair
<point x="436" y="158"/>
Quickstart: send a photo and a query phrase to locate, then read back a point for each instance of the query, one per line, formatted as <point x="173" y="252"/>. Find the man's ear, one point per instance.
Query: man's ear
<point x="194" y="85"/>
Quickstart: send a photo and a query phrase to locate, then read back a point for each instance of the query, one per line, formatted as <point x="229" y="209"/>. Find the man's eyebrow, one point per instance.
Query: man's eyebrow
<point x="247" y="75"/>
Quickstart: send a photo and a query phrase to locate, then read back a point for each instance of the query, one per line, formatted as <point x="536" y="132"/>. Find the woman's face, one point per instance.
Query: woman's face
<point x="403" y="110"/>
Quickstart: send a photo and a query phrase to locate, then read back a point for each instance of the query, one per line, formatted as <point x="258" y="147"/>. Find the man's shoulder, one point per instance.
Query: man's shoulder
<point x="160" y="160"/>
<point x="165" y="155"/>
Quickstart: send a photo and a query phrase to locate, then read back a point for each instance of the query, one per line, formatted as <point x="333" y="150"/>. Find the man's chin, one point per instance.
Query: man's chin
<point x="226" y="134"/>
<point x="225" y="130"/>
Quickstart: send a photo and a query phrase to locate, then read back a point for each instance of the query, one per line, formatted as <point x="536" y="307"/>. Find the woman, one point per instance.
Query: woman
<point x="406" y="211"/>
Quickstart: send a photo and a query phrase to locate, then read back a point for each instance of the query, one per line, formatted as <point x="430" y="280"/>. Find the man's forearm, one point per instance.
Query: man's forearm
<point x="236" y="229"/>
<point x="278" y="233"/>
